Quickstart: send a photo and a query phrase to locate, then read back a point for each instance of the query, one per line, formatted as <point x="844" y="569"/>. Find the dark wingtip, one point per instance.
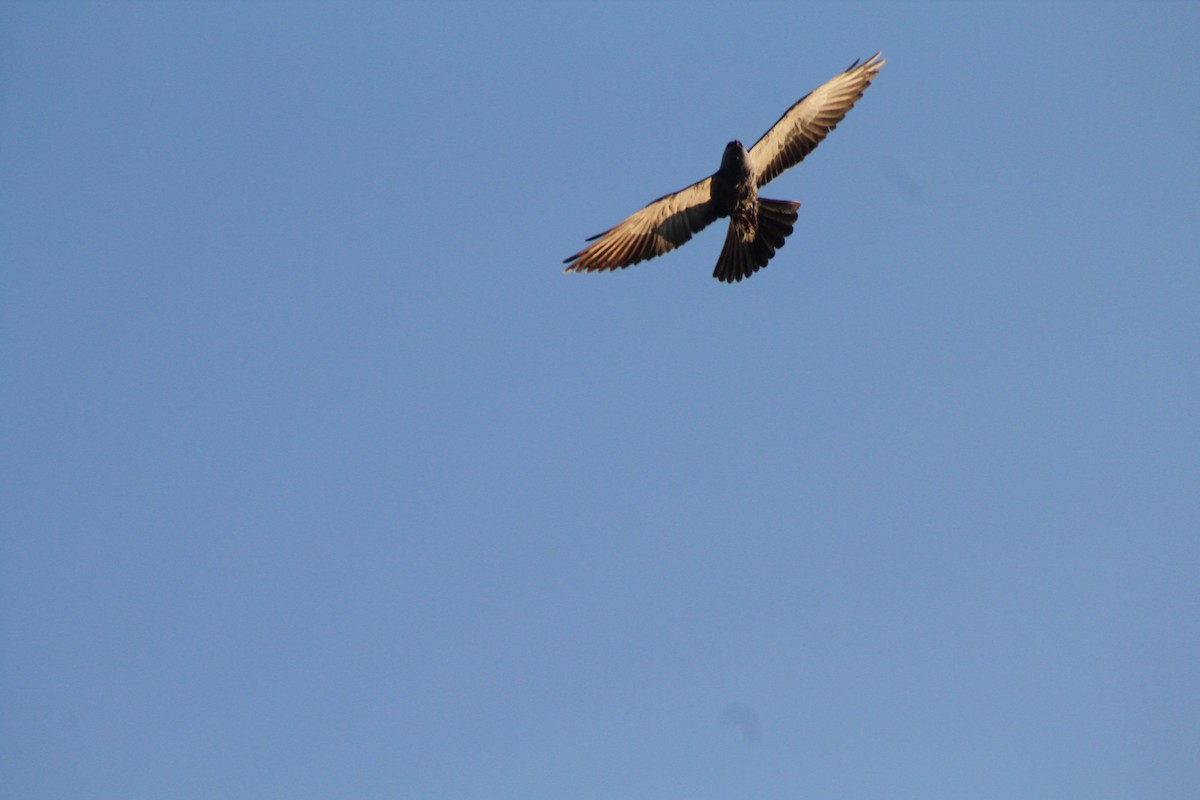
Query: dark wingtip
<point x="858" y="62"/>
<point x="874" y="61"/>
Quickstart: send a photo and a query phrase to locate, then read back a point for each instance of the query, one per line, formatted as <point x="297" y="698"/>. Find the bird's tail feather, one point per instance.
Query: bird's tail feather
<point x="742" y="259"/>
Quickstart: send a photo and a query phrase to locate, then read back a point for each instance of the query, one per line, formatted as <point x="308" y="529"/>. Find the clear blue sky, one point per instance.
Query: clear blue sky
<point x="320" y="479"/>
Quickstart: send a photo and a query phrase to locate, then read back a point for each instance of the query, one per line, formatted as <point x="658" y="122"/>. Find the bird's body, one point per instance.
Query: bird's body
<point x="737" y="170"/>
<point x="757" y="226"/>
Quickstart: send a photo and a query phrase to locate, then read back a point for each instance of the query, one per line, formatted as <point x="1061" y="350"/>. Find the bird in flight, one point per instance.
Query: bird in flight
<point x="757" y="226"/>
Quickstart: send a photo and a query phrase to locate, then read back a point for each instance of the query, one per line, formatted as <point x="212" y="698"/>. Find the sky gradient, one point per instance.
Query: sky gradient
<point x="320" y="479"/>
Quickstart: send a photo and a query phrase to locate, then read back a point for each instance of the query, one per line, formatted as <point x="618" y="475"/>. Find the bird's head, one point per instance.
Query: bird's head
<point x="735" y="162"/>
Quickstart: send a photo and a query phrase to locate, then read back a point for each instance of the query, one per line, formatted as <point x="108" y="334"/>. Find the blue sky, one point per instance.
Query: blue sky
<point x="320" y="479"/>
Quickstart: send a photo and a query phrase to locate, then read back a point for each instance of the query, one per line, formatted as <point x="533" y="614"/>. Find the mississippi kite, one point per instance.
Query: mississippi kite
<point x="757" y="226"/>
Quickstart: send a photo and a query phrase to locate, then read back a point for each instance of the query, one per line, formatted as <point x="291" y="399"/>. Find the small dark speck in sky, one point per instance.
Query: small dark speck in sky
<point x="742" y="717"/>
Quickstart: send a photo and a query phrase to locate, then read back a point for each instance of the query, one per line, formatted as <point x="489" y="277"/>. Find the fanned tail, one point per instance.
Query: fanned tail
<point x="742" y="259"/>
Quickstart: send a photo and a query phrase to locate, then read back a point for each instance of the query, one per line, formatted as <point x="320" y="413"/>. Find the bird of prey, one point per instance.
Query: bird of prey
<point x="757" y="226"/>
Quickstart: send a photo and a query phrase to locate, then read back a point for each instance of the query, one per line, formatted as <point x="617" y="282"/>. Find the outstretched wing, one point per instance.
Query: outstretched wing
<point x="658" y="228"/>
<point x="801" y="129"/>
